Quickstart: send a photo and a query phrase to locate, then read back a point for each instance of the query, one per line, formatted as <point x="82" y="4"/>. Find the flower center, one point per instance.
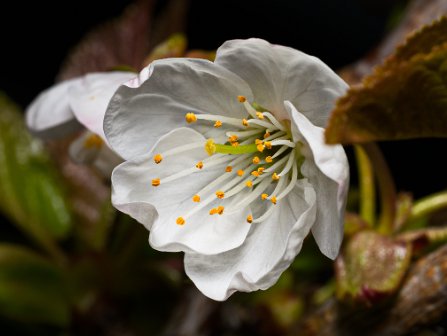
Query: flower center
<point x="261" y="161"/>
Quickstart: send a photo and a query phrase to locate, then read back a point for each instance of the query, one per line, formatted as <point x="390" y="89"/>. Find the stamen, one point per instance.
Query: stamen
<point x="196" y="198"/>
<point x="220" y="194"/>
<point x="228" y="169"/>
<point x="255" y="173"/>
<point x="249" y="218"/>
<point x="274" y="121"/>
<point x="245" y="122"/>
<point x="249" y="184"/>
<point x="269" y="159"/>
<point x="240" y="172"/>
<point x="93" y="140"/>
<point x="190" y="117"/>
<point x="199" y="165"/>
<point x="156" y="182"/>
<point x="220" y="209"/>
<point x="260" y="147"/>
<point x="233" y="138"/>
<point x="280" y="151"/>
<point x="291" y="185"/>
<point x="287" y="143"/>
<point x="235" y="144"/>
<point x="275" y="177"/>
<point x="158" y="158"/>
<point x="241" y="99"/>
<point x="264" y="196"/>
<point x="213" y="211"/>
<point x="273" y="199"/>
<point x="180" y="221"/>
<point x="261" y="170"/>
<point x="268" y="144"/>
<point x="260" y="115"/>
<point x="256" y="160"/>
<point x="266" y="135"/>
<point x="288" y="164"/>
<point x="218" y="124"/>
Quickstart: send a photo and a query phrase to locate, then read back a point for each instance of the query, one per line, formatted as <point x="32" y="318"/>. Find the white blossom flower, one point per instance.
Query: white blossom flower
<point x="241" y="182"/>
<point x="74" y="104"/>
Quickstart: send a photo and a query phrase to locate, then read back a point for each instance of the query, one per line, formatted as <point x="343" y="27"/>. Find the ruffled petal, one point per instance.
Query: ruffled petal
<point x="268" y="250"/>
<point x="276" y="73"/>
<point x="327" y="169"/>
<point x="50" y="115"/>
<point x="138" y="115"/>
<point x="159" y="207"/>
<point x="90" y="95"/>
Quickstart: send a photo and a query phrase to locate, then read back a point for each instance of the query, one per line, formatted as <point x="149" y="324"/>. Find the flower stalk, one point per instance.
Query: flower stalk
<point x="387" y="188"/>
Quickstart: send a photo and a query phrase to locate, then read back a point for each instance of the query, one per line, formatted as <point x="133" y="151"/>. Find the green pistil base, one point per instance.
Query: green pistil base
<point x="241" y="149"/>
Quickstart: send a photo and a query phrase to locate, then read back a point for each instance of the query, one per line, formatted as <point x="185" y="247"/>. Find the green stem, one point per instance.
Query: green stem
<point x="366" y="186"/>
<point x="387" y="188"/>
<point x="428" y="205"/>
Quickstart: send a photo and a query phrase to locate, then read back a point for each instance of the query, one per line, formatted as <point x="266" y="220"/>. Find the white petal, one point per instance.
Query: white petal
<point x="268" y="250"/>
<point x="50" y="115"/>
<point x="137" y="117"/>
<point x="90" y="95"/>
<point x="106" y="161"/>
<point x="158" y="207"/>
<point x="277" y="73"/>
<point x="80" y="153"/>
<point x="327" y="169"/>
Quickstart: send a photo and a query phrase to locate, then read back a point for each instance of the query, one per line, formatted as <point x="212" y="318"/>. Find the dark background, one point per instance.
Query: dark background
<point x="37" y="36"/>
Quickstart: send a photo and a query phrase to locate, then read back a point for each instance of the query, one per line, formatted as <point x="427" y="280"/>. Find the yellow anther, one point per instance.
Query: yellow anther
<point x="255" y="173"/>
<point x="213" y="211"/>
<point x="266" y="135"/>
<point x="268" y="144"/>
<point x="269" y="159"/>
<point x="260" y="147"/>
<point x="233" y="138"/>
<point x="158" y="158"/>
<point x="258" y="142"/>
<point x="260" y="115"/>
<point x="235" y="144"/>
<point x="180" y="221"/>
<point x="245" y="122"/>
<point x="273" y="199"/>
<point x="196" y="198"/>
<point x="220" y="209"/>
<point x="249" y="183"/>
<point x="220" y="194"/>
<point x="218" y="124"/>
<point x="199" y="165"/>
<point x="256" y="160"/>
<point x="241" y="99"/>
<point x="156" y="182"/>
<point x="264" y="196"/>
<point x="93" y="140"/>
<point x="210" y="146"/>
<point x="190" y="117"/>
<point x="261" y="170"/>
<point x="228" y="169"/>
<point x="249" y="218"/>
<point x="275" y="177"/>
<point x="240" y="172"/>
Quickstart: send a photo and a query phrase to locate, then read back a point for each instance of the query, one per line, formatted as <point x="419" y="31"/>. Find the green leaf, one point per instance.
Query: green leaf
<point x="404" y="98"/>
<point x="371" y="267"/>
<point x="30" y="192"/>
<point x="31" y="288"/>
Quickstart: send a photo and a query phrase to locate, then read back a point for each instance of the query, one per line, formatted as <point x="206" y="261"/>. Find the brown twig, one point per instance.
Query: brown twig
<point x="421" y="302"/>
